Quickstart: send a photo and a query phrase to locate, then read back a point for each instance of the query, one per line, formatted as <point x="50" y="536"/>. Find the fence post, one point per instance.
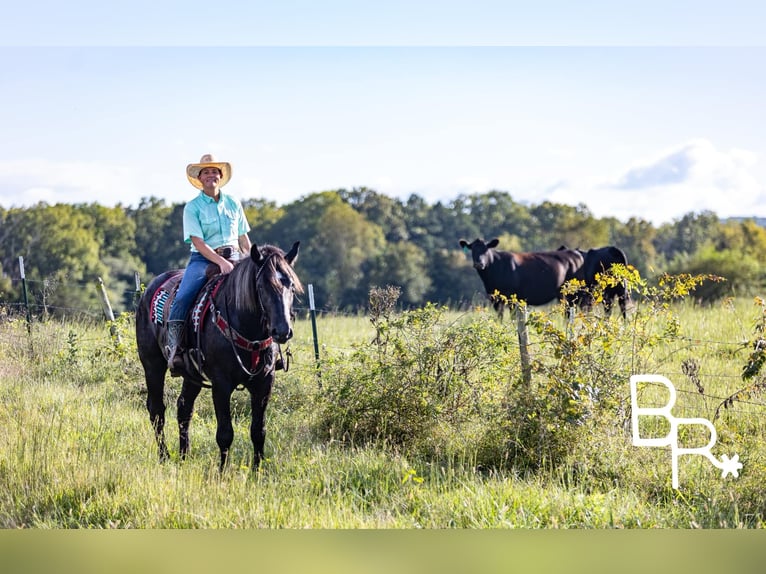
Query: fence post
<point x="521" y="328"/>
<point x="26" y="301"/>
<point x="108" y="312"/>
<point x="312" y="312"/>
<point x="137" y="294"/>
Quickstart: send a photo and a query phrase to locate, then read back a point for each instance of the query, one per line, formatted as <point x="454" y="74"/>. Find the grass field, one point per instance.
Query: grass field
<point x="77" y="451"/>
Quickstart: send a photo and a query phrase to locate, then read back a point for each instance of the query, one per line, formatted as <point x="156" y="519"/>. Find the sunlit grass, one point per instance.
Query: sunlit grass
<point x="76" y="449"/>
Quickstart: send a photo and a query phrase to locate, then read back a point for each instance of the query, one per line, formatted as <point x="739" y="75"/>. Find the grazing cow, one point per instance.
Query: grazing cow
<point x="600" y="260"/>
<point x="534" y="277"/>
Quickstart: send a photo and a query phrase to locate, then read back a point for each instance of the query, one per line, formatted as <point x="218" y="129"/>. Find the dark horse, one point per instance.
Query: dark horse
<point x="232" y="338"/>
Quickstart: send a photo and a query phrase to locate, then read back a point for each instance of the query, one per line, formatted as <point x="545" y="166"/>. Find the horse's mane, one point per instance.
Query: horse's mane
<point x="240" y="283"/>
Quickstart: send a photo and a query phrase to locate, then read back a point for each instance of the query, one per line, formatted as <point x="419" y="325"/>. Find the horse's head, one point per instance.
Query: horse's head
<point x="277" y="284"/>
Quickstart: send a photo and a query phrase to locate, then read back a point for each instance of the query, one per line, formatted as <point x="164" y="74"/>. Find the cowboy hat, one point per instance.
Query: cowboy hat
<point x="207" y="160"/>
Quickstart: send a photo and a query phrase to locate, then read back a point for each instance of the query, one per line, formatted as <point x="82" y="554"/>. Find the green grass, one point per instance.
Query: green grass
<point x="76" y="448"/>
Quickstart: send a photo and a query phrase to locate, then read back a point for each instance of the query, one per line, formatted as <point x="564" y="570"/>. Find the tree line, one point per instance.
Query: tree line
<point x="353" y="240"/>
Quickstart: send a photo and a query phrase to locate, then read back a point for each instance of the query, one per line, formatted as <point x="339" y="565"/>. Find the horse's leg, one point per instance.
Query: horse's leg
<point x="224" y="435"/>
<point x="155" y="404"/>
<point x="185" y="404"/>
<point x="259" y="400"/>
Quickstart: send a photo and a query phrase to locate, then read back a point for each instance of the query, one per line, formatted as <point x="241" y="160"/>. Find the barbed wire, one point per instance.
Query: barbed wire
<point x="16" y="312"/>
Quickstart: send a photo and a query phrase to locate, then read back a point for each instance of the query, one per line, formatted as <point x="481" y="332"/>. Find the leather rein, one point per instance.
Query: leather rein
<point x="237" y="341"/>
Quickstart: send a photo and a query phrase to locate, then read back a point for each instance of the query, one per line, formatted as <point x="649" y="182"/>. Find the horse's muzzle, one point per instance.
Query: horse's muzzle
<point x="282" y="337"/>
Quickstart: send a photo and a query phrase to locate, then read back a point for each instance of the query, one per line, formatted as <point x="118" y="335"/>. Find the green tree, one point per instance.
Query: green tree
<point x="61" y="256"/>
<point x="636" y="239"/>
<point x="159" y="235"/>
<point x="262" y="215"/>
<point x="495" y="213"/>
<point x="7" y="257"/>
<point x="402" y="265"/>
<point x="742" y="273"/>
<point x="557" y="224"/>
<point x="453" y="279"/>
<point x="686" y="235"/>
<point x="115" y="232"/>
<point x="351" y="244"/>
<point x="112" y="228"/>
<point x="745" y="237"/>
<point x="379" y="209"/>
<point x="337" y="246"/>
<point x="420" y="222"/>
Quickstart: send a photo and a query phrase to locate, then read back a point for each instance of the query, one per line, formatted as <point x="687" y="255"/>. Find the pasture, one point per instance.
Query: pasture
<point x="417" y="420"/>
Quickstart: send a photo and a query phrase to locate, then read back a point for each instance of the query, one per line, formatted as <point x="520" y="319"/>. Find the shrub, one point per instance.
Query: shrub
<point x="439" y="386"/>
<point x="423" y="384"/>
<point x="742" y="273"/>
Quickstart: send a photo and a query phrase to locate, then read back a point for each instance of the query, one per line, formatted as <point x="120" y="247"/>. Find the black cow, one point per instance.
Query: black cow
<point x="600" y="260"/>
<point x="534" y="277"/>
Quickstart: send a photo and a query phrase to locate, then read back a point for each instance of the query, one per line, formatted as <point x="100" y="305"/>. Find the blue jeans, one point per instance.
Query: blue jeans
<point x="192" y="281"/>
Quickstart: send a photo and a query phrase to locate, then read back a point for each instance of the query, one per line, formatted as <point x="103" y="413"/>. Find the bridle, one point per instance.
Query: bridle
<point x="237" y="340"/>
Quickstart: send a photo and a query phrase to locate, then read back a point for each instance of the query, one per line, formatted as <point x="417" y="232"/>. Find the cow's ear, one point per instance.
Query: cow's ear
<point x="463" y="244"/>
<point x="494" y="243"/>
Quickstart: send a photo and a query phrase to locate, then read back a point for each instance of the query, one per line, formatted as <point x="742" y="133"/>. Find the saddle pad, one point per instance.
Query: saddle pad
<point x="163" y="297"/>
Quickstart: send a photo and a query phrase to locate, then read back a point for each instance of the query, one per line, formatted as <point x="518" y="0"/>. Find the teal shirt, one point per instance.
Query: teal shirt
<point x="217" y="223"/>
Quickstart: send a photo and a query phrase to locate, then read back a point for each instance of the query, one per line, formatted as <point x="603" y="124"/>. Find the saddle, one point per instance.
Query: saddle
<point x="187" y="351"/>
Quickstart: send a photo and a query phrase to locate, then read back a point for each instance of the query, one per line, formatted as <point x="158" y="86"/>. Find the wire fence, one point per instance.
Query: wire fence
<point x="307" y="355"/>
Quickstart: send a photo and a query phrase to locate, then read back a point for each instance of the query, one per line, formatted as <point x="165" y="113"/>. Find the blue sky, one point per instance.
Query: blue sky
<point x="635" y="109"/>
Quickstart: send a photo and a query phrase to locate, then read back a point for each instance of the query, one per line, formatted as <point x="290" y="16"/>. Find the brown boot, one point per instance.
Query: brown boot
<point x="175" y="361"/>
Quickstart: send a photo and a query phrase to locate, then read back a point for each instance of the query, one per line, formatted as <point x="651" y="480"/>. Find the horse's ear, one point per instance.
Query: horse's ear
<point x="255" y="253"/>
<point x="292" y="255"/>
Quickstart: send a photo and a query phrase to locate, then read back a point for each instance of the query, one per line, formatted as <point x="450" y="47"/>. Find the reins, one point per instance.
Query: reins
<point x="235" y="338"/>
<point x="256" y="347"/>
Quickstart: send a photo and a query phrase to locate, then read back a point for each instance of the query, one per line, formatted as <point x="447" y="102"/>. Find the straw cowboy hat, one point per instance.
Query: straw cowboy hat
<point x="207" y="160"/>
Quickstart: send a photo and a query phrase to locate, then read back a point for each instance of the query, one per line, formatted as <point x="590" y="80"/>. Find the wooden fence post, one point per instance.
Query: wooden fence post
<point x="108" y="313"/>
<point x="137" y="294"/>
<point x="521" y="328"/>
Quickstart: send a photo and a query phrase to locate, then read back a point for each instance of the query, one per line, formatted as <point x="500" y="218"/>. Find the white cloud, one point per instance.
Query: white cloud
<point x="668" y="170"/>
<point x="30" y="181"/>
<point x="695" y="176"/>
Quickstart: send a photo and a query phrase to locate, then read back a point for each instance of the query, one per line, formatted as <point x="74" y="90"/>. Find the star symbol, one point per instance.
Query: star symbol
<point x="730" y="466"/>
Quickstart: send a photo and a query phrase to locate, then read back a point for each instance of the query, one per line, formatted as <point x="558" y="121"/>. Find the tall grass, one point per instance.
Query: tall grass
<point x="77" y="451"/>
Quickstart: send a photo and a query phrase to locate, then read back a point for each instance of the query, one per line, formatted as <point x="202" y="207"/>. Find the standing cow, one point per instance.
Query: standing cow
<point x="598" y="261"/>
<point x="534" y="277"/>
